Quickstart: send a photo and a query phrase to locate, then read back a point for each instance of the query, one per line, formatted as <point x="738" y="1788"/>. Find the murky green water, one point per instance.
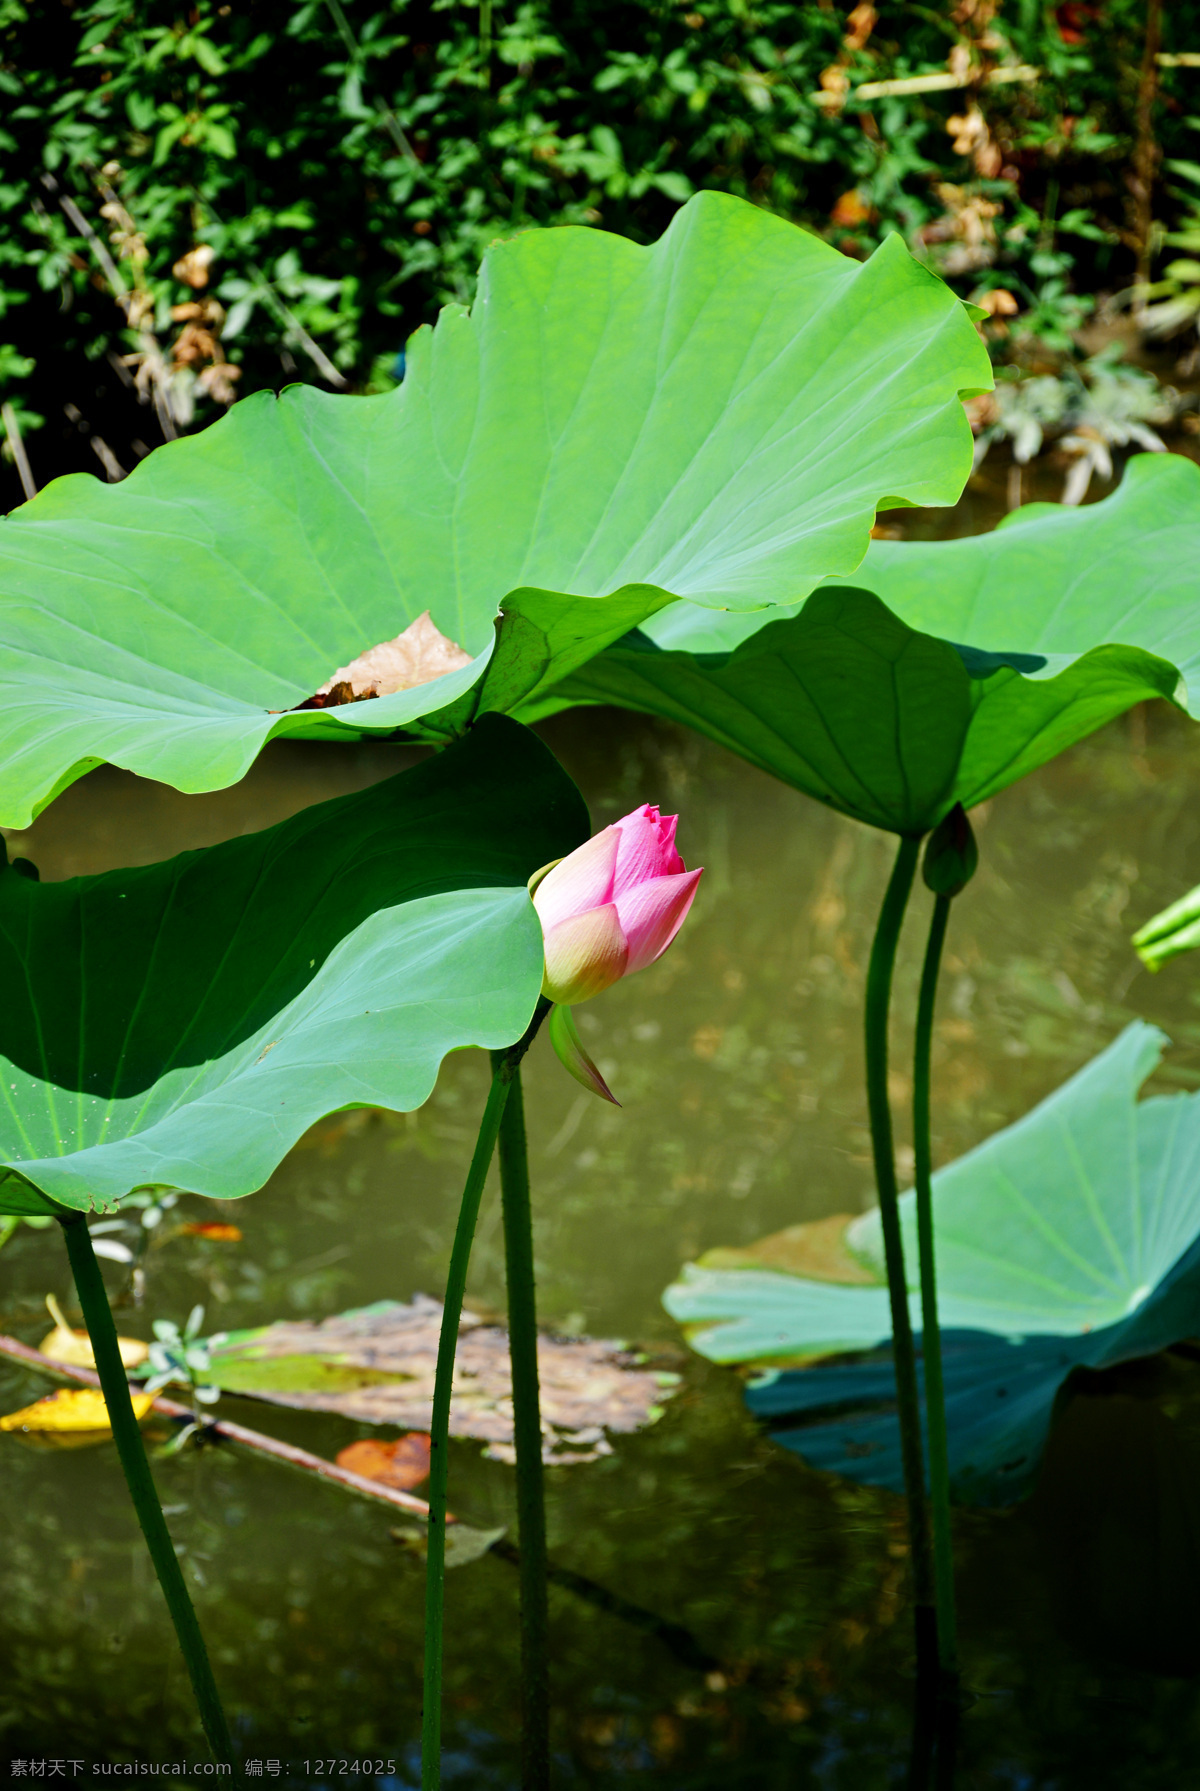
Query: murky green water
<point x="738" y="1060"/>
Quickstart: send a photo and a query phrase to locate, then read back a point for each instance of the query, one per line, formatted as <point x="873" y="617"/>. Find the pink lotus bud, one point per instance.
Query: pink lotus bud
<point x="612" y="906"/>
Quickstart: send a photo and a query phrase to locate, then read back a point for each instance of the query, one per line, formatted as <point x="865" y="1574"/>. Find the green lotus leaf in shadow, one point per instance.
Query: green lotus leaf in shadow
<point x="180" y="1025"/>
<point x="1069" y="1240"/>
<point x="851" y="705"/>
<point x="714" y="418"/>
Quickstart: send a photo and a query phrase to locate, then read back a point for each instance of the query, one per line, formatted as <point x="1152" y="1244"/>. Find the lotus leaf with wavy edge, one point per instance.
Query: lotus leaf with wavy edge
<point x="180" y="1025"/>
<point x="716" y="417"/>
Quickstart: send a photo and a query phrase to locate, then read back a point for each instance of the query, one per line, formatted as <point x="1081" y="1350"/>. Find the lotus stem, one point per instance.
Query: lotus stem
<point x="505" y="1068"/>
<point x="879" y="989"/>
<point x="98" y="1318"/>
<point x="527" y="1429"/>
<point x="439" y="1429"/>
<point x="931" y="1337"/>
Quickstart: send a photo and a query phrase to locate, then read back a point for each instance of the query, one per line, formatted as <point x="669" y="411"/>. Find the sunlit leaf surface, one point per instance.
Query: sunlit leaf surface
<point x="182" y="1024"/>
<point x="716" y="418"/>
<point x="1052" y="579"/>
<point x="1069" y="1239"/>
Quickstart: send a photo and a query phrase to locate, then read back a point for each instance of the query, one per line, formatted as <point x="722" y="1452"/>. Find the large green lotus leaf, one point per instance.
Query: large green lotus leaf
<point x="715" y="418"/>
<point x="1070" y="1239"/>
<point x="848" y="703"/>
<point x="1052" y="579"/>
<point x="181" y="1024"/>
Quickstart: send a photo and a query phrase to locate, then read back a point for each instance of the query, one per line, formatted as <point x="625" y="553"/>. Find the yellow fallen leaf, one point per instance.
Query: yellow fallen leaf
<point x="62" y="1344"/>
<point x="71" y="1411"/>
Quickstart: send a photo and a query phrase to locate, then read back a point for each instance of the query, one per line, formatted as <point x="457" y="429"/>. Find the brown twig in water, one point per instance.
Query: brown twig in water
<point x="228" y="1432"/>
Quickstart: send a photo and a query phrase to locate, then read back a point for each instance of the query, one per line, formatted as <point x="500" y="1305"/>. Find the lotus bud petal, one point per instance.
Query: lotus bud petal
<point x="652" y="913"/>
<point x="582" y="880"/>
<point x="646" y="848"/>
<point x="585" y="954"/>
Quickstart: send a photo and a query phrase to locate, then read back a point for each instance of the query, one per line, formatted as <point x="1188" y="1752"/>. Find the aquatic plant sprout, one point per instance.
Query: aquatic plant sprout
<point x="717" y="417"/>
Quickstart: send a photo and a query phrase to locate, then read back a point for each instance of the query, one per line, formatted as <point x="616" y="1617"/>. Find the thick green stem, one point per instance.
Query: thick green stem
<point x="505" y="1068"/>
<point x="931" y="1339"/>
<point x="879" y="990"/>
<point x="98" y="1318"/>
<point x="527" y="1429"/>
<point x="439" y="1428"/>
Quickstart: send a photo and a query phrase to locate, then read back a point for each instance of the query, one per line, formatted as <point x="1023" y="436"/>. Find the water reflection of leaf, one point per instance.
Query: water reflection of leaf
<point x="377" y="1364"/>
<point x="464" y="1543"/>
<point x="1117" y="1512"/>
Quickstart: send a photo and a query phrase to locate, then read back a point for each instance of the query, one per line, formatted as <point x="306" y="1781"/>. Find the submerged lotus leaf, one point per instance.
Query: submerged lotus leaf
<point x="1069" y="1240"/>
<point x="715" y="418"/>
<point x="376" y="1364"/>
<point x="848" y="703"/>
<point x="180" y="1025"/>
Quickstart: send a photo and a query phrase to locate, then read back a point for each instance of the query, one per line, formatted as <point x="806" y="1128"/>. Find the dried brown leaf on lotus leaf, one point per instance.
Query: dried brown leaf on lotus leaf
<point x="418" y="655"/>
<point x="377" y="1365"/>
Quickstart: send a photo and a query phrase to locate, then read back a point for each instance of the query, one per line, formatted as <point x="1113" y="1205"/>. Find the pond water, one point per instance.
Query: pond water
<point x="738" y="1060"/>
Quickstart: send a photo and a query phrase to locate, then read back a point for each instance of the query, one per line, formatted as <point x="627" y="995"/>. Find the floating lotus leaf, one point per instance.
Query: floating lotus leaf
<point x="848" y="703"/>
<point x="180" y="1025"/>
<point x="716" y="418"/>
<point x="1068" y="1240"/>
<point x="376" y="1364"/>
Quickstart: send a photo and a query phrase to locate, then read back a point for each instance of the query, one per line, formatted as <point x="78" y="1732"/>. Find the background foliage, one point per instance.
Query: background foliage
<point x="199" y="202"/>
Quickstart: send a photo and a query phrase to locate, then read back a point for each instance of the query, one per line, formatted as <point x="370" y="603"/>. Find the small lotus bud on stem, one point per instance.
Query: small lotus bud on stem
<point x="608" y="909"/>
<point x="951" y="854"/>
